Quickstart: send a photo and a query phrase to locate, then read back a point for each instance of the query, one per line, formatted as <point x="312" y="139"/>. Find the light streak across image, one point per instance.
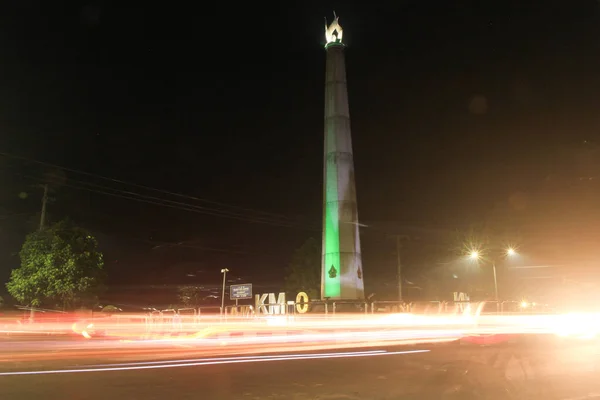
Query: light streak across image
<point x="229" y="360"/>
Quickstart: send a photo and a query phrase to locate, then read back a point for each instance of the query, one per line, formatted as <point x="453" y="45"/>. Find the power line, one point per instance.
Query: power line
<point x="47" y="164"/>
<point x="265" y="218"/>
<point x="157" y="244"/>
<point x="198" y="208"/>
<point x="181" y="243"/>
<point x="366" y="228"/>
<point x="178" y="205"/>
<point x="275" y="219"/>
<point x="6" y="216"/>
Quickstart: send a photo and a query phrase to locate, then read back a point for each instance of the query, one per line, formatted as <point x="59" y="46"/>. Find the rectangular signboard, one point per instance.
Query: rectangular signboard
<point x="239" y="292"/>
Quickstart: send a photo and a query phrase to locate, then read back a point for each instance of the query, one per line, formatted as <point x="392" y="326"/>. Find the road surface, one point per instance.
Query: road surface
<point x="165" y="371"/>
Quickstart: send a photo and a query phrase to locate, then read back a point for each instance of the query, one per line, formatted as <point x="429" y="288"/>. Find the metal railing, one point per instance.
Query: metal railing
<point x="389" y="307"/>
<point x="209" y="310"/>
<point x="437" y="307"/>
<point x="245" y="311"/>
<point x="361" y="306"/>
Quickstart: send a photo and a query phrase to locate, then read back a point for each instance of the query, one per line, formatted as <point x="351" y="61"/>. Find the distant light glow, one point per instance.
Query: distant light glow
<point x="474" y="255"/>
<point x="511" y="252"/>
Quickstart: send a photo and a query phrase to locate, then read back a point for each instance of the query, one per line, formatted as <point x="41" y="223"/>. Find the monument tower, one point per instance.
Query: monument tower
<point x="341" y="265"/>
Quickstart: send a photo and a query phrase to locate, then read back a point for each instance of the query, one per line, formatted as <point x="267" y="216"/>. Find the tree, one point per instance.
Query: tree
<point x="304" y="270"/>
<point x="60" y="265"/>
<point x="190" y="296"/>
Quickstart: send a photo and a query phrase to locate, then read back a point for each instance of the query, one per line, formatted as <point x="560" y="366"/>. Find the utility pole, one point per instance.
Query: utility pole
<point x="224" y="271"/>
<point x="44" y="202"/>
<point x="399" y="267"/>
<point x="42" y="224"/>
<point x="495" y="282"/>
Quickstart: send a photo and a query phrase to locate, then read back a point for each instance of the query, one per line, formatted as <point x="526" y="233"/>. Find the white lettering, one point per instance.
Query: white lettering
<point x="259" y="301"/>
<point x="277" y="306"/>
<point x="274" y="305"/>
<point x="462" y="298"/>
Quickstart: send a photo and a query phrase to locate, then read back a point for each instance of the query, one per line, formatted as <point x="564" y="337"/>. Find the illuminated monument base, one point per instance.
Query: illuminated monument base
<point x="341" y="268"/>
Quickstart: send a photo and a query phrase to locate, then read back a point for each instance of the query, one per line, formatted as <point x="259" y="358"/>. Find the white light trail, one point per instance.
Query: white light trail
<point x="288" y="357"/>
<point x="194" y="360"/>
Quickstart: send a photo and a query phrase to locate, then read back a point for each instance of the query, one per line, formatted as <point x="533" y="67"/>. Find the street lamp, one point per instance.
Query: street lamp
<point x="476" y="255"/>
<point x="224" y="271"/>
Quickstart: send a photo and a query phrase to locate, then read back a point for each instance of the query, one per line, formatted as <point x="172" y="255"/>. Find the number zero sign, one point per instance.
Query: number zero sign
<point x="301" y="303"/>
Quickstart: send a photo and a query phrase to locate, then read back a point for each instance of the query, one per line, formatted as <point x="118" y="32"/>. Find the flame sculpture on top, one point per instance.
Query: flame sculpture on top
<point x="333" y="32"/>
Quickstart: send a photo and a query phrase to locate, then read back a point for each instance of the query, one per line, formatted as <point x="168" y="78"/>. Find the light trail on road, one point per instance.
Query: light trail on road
<point x="231" y="360"/>
<point x="130" y="340"/>
<point x="314" y="328"/>
<point x="192" y="360"/>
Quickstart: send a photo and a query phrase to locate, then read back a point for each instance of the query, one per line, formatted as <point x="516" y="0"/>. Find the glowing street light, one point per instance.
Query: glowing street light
<point x="476" y="255"/>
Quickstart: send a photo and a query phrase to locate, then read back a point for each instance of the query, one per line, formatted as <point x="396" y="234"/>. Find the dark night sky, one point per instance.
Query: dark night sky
<point x="454" y="105"/>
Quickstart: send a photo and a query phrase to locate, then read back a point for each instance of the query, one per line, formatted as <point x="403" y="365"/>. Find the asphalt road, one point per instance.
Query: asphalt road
<point x="173" y="372"/>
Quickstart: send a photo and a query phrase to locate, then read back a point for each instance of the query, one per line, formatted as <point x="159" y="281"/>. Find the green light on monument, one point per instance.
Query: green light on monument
<point x="331" y="252"/>
<point x="332" y="282"/>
